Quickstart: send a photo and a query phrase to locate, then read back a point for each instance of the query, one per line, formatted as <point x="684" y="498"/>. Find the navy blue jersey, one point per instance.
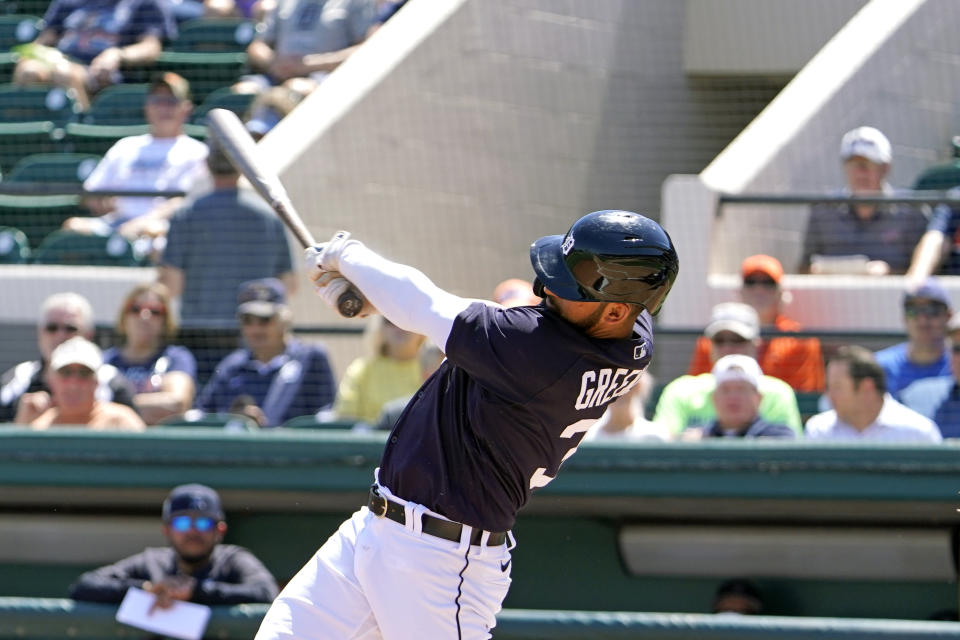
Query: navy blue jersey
<point x="518" y="390"/>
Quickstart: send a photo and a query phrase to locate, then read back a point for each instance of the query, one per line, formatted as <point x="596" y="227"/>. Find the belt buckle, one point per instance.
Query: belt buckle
<point x="378" y="504"/>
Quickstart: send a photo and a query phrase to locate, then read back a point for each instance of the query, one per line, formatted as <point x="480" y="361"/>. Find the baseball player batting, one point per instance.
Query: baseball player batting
<point x="428" y="555"/>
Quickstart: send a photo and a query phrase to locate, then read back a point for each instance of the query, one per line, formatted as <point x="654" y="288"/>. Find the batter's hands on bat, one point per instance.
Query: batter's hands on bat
<point x="326" y="256"/>
<point x="331" y="285"/>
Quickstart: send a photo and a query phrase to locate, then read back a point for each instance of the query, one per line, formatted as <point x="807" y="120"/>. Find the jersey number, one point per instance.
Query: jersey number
<point x="540" y="477"/>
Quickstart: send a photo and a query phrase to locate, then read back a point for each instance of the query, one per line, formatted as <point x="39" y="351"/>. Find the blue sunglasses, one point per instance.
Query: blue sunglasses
<point x="183" y="524"/>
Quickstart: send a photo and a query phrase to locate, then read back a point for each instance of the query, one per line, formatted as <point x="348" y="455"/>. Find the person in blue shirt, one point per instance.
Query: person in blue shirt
<point x="939" y="398"/>
<point x="274" y="376"/>
<point x="926" y="310"/>
<point x="163" y="374"/>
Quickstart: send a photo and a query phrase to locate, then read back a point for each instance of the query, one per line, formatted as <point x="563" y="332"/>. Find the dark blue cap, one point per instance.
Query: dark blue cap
<point x="192" y="497"/>
<point x="261" y="297"/>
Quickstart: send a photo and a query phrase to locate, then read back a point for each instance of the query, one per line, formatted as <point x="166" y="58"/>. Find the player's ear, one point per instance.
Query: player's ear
<point x="617" y="312"/>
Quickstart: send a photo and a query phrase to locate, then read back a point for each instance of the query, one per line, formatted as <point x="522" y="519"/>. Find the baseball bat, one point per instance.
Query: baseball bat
<point x="232" y="137"/>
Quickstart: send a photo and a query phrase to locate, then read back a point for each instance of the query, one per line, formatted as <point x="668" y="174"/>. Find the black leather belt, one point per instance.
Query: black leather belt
<point x="438" y="527"/>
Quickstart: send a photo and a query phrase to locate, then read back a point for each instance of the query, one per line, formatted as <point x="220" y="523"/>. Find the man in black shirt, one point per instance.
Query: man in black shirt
<point x="196" y="567"/>
<point x="429" y="554"/>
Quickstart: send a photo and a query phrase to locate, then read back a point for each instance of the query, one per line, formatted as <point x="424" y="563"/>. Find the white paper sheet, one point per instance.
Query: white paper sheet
<point x="184" y="620"/>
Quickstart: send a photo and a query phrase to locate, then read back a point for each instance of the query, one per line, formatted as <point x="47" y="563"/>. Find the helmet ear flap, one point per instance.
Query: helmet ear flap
<point x="538" y="288"/>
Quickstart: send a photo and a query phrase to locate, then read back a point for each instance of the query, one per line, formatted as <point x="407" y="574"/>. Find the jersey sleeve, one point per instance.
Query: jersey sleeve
<point x="181" y="359"/>
<point x="512" y="351"/>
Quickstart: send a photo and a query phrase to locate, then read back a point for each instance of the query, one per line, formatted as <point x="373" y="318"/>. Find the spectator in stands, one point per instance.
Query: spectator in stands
<point x="885" y="234"/>
<point x="162" y="373"/>
<point x="285" y="377"/>
<point x="736" y="402"/>
<point x="688" y="401"/>
<point x="73" y="390"/>
<point x="62" y="316"/>
<point x="939" y="249"/>
<point x="390" y="369"/>
<point x="796" y="361"/>
<point x="926" y="311"/>
<point x="270" y="107"/>
<point x="385" y="11"/>
<point x="625" y="420"/>
<point x="196" y="567"/>
<point x="166" y="159"/>
<point x="303" y="42"/>
<point x="514" y="292"/>
<point x="939" y="398"/>
<point x="862" y="408"/>
<point x="215" y="244"/>
<point x="430" y="357"/>
<point x="85" y="44"/>
<point x="739" y="596"/>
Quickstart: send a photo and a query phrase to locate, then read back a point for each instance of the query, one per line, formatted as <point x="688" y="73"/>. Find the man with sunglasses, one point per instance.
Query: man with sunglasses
<point x="939" y="398"/>
<point x="796" y="361"/>
<point x="196" y="567"/>
<point x="62" y="316"/>
<point x="926" y="311"/>
<point x="734" y="328"/>
<point x="283" y="377"/>
<point x="72" y="377"/>
<point x="164" y="159"/>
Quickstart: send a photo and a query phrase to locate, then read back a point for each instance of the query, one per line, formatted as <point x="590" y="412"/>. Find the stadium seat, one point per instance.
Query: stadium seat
<point x="214" y="35"/>
<point x="65" y="168"/>
<point x="223" y="98"/>
<point x="15" y="30"/>
<point x="809" y="403"/>
<point x="116" y="112"/>
<point x="14" y="248"/>
<point x="312" y="422"/>
<point x="197" y="418"/>
<point x="31" y="121"/>
<point x="941" y="177"/>
<point x="69" y="248"/>
<point x="38" y="215"/>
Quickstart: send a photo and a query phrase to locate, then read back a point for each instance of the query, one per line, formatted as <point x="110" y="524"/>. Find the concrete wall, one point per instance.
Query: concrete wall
<point x="465" y="129"/>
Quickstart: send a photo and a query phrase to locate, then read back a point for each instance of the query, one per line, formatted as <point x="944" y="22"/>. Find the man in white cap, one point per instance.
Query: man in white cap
<point x="736" y="400"/>
<point x="886" y="233"/>
<point x="73" y="384"/>
<point x="734" y="328"/>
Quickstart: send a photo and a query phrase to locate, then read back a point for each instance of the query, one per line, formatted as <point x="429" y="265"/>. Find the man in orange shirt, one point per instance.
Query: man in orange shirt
<point x="796" y="361"/>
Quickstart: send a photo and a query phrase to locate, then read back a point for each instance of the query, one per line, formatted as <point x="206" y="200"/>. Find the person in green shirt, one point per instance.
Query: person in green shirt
<point x="688" y="401"/>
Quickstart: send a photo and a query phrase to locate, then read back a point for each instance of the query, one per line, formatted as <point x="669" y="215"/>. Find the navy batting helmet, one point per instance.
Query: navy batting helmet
<point x="608" y="256"/>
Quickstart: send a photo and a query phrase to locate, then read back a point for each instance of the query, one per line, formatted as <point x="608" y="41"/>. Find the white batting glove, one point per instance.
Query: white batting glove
<point x="330" y="285"/>
<point x="326" y="256"/>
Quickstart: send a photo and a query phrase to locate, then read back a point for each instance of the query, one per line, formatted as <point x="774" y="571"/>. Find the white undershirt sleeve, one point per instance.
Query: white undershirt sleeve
<point x="404" y="295"/>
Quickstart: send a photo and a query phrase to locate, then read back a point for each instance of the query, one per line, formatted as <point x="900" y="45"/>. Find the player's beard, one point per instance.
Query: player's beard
<point x="584" y="324"/>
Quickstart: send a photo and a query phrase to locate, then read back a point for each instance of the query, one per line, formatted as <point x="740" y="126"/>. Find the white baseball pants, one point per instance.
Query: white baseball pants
<point x="375" y="578"/>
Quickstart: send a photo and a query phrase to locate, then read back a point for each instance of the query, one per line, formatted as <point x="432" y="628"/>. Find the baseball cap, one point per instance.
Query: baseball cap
<point x="177" y="84"/>
<point x="868" y="143"/>
<point x="76" y="350"/>
<point x="737" y="367"/>
<point x="930" y="289"/>
<point x="760" y="263"/>
<point x="737" y="317"/>
<point x="263" y="297"/>
<point x="192" y="497"/>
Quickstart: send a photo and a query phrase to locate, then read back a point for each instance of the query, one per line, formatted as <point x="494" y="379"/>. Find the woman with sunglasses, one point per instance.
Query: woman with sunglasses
<point x="163" y="374"/>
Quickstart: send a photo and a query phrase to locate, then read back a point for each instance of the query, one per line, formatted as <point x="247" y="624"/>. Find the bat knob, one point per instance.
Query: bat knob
<point x="350" y="304"/>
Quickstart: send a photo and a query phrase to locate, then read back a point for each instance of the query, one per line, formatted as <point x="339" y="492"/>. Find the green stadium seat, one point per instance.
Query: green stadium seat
<point x="14" y="247"/>
<point x="38" y="215"/>
<point x="312" y="422"/>
<point x="214" y="35"/>
<point x="116" y="112"/>
<point x="31" y="121"/>
<point x="15" y="30"/>
<point x="62" y="168"/>
<point x="941" y="177"/>
<point x="32" y="7"/>
<point x="809" y="403"/>
<point x="223" y="98"/>
<point x="197" y="418"/>
<point x="69" y="248"/>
